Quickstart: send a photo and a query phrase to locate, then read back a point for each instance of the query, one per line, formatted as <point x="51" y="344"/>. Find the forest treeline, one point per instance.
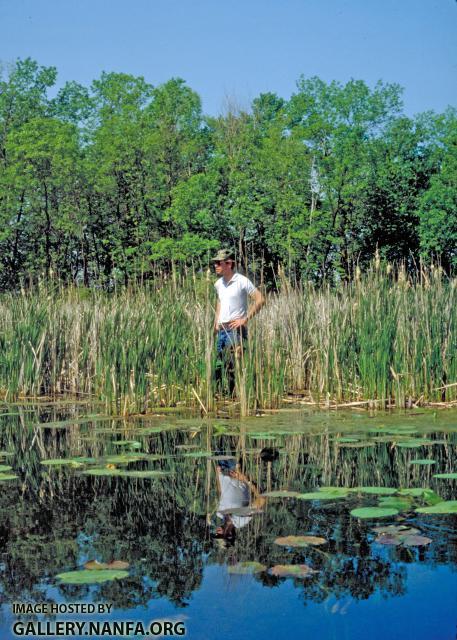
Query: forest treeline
<point x="109" y="183"/>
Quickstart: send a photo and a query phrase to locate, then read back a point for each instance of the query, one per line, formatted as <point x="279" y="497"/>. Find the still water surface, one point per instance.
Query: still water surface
<point x="56" y="517"/>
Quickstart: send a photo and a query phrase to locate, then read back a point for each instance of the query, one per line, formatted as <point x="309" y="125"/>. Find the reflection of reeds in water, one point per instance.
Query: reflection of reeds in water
<point x="160" y="526"/>
<point x="381" y="339"/>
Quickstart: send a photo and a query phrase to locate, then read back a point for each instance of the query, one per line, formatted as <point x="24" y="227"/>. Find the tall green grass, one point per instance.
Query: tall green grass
<point x="386" y="337"/>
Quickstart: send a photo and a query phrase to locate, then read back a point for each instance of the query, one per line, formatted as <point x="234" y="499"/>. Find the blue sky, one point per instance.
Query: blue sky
<point x="239" y="48"/>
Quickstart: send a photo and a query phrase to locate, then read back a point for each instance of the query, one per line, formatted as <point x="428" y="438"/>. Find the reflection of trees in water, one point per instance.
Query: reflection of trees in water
<point x="55" y="519"/>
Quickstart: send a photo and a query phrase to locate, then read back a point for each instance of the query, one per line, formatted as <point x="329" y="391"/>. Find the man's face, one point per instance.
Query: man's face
<point x="223" y="267"/>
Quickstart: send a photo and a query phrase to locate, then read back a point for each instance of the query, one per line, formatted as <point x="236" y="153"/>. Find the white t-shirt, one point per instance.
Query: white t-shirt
<point x="234" y="493"/>
<point x="233" y="297"/>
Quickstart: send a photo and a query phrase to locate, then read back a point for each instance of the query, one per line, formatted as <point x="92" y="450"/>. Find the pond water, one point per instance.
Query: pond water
<point x="142" y="498"/>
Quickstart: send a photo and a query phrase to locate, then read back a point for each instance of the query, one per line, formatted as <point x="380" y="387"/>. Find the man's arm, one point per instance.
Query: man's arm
<point x="216" y="315"/>
<point x="259" y="302"/>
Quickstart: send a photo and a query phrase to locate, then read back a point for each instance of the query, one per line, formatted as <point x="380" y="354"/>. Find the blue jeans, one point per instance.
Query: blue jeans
<point x="227" y="340"/>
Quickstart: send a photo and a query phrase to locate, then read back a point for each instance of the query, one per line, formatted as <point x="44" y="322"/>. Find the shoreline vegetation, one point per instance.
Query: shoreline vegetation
<point x="386" y="339"/>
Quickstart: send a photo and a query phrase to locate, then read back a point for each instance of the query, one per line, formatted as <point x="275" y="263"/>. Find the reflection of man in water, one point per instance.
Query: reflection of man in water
<point x="235" y="491"/>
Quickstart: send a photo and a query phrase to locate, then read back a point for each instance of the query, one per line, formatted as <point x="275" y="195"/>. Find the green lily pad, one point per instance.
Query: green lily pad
<point x="94" y="576"/>
<point x="369" y="513"/>
<point x="292" y="571"/>
<point x="61" y="462"/>
<point x="343" y="491"/>
<point x="102" y="471"/>
<point x="446" y="506"/>
<point x="124" y="458"/>
<point x="416" y="492"/>
<point x="7" y="476"/>
<point x="300" y="541"/>
<point x="150" y="431"/>
<point x="423" y="461"/>
<point x="357" y="445"/>
<point x="378" y="491"/>
<point x="322" y="495"/>
<point x="395" y="502"/>
<point x="446" y="476"/>
<point x="197" y="454"/>
<point x="247" y="568"/>
<point x="5" y="467"/>
<point x="147" y="473"/>
<point x="134" y="444"/>
<point x="413" y="444"/>
<point x="84" y="460"/>
<point x="428" y="495"/>
<point x="280" y="494"/>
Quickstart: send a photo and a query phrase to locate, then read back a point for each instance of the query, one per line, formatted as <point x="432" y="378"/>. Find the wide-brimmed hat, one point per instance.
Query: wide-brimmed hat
<point x="223" y="254"/>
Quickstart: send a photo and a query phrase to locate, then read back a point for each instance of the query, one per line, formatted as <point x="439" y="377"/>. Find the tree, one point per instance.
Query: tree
<point x="437" y="207"/>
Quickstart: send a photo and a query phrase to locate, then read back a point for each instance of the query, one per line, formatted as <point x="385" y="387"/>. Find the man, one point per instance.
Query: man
<point x="235" y="492"/>
<point x="232" y="312"/>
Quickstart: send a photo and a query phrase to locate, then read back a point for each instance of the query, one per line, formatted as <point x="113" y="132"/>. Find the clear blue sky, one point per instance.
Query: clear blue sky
<point x="240" y="48"/>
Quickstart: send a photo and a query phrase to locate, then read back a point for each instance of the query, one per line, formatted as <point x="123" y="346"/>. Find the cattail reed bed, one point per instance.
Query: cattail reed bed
<point x="386" y="338"/>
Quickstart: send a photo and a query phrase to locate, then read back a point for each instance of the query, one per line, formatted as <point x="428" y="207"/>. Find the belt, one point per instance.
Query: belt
<point x="224" y="325"/>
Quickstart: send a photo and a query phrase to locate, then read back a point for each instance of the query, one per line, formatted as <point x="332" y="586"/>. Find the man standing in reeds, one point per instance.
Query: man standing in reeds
<point x="232" y="314"/>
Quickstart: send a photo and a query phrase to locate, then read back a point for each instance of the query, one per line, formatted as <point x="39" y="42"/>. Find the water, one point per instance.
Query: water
<point x="54" y="519"/>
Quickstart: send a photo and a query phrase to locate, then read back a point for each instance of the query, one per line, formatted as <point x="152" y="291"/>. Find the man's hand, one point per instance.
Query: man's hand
<point x="238" y="322"/>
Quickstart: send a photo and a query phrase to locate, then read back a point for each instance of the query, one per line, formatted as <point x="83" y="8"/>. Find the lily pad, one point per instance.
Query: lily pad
<point x="93" y="576"/>
<point x="292" y="571"/>
<point x="416" y="541"/>
<point x="5" y="467"/>
<point x="357" y="445"/>
<point x="61" y="462"/>
<point x="423" y="461"/>
<point x="343" y="491"/>
<point x="197" y="454"/>
<point x="388" y="539"/>
<point x="124" y="458"/>
<point x="413" y="444"/>
<point x="379" y="491"/>
<point x="395" y="529"/>
<point x="446" y="476"/>
<point x="446" y="506"/>
<point x="428" y="495"/>
<point x="134" y="444"/>
<point x="322" y="495"/>
<point x="416" y="492"/>
<point x="281" y="494"/>
<point x="7" y="476"/>
<point x="247" y="568"/>
<point x="102" y="471"/>
<point x="395" y="502"/>
<point x="147" y="473"/>
<point x="300" y="541"/>
<point x="369" y="513"/>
